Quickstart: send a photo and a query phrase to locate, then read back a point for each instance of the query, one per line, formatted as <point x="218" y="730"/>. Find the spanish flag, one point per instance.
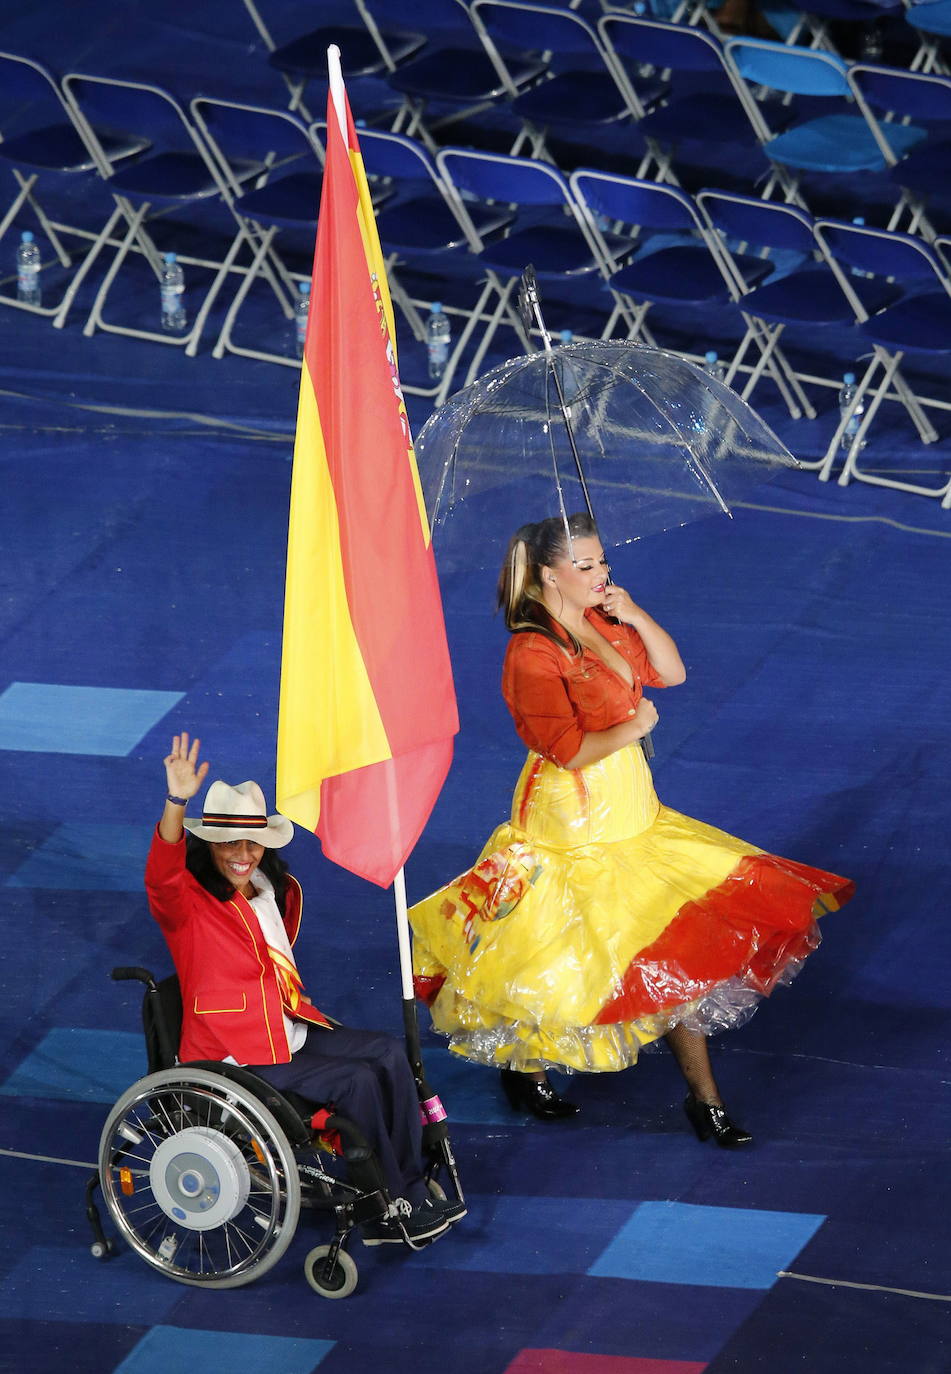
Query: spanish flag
<point x="367" y="708"/>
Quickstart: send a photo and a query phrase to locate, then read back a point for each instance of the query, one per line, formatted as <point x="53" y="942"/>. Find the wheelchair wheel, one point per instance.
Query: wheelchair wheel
<point x="342" y="1279"/>
<point x="199" y="1178"/>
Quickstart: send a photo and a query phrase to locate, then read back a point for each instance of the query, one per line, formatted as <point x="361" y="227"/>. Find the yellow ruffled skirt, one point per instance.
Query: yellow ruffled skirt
<point x="596" y="919"/>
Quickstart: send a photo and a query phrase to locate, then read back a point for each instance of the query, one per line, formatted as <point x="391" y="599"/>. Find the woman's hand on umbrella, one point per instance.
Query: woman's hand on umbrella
<point x="183" y="773"/>
<point x="617" y="603"/>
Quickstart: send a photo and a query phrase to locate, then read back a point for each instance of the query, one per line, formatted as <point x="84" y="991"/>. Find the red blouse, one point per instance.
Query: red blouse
<point x="556" y="697"/>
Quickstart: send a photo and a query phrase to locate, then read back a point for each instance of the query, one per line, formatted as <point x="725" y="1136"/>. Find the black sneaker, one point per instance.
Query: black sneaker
<point x="424" y="1222"/>
<point x="452" y="1208"/>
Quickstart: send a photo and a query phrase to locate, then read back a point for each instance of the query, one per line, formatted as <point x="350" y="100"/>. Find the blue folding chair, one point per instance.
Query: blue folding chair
<point x="703" y="103"/>
<point x="270" y="179"/>
<point x="678" y="261"/>
<point x="368" y="51"/>
<point x="584" y="93"/>
<point x="801" y="291"/>
<point x="889" y="95"/>
<point x="918" y="323"/>
<point x="548" y="231"/>
<point x="455" y="80"/>
<point x="931" y="19"/>
<point x="839" y="141"/>
<point x="176" y="174"/>
<point x="40" y="139"/>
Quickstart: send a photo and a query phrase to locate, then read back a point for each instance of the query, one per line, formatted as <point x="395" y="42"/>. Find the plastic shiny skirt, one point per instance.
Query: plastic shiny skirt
<point x="597" y="919"/>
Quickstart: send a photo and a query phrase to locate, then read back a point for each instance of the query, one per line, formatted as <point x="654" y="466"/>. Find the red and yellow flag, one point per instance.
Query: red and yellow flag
<point x="367" y="707"/>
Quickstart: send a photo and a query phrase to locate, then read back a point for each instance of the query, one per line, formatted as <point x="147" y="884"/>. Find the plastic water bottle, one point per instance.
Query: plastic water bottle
<point x="713" y="366"/>
<point x="173" y="295"/>
<point x="871" y="46"/>
<point x="28" y="270"/>
<point x="846" y="395"/>
<point x="438" y="332"/>
<point x="301" y="311"/>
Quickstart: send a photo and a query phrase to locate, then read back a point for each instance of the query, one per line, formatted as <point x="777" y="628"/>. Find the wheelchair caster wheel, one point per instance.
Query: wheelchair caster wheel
<point x="343" y="1276"/>
<point x="102" y="1250"/>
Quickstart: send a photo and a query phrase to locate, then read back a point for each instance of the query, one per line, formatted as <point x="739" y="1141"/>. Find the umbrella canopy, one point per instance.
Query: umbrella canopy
<point x="653" y="440"/>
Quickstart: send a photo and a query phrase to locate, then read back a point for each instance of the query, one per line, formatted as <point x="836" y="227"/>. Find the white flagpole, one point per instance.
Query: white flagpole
<point x="337" y="88"/>
<point x="402" y="936"/>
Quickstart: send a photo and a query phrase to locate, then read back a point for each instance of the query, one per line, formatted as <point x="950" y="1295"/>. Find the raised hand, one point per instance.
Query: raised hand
<point x="617" y="603"/>
<point x="184" y="778"/>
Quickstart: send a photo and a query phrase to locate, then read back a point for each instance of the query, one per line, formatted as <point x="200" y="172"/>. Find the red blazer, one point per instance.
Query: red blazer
<point x="556" y="697"/>
<point x="230" y="993"/>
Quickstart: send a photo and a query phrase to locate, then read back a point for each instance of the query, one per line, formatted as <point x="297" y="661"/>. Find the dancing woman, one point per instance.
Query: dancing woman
<point x="597" y="920"/>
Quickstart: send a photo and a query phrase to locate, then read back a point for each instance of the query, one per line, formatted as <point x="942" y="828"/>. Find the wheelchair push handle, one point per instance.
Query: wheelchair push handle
<point x="126" y="973"/>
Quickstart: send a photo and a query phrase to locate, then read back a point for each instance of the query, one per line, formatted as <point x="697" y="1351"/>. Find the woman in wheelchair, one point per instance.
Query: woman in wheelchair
<point x="230" y="912"/>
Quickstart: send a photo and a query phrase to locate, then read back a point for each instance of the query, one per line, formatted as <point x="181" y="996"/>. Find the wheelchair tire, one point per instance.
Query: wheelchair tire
<point x="199" y="1178"/>
<point x="343" y="1279"/>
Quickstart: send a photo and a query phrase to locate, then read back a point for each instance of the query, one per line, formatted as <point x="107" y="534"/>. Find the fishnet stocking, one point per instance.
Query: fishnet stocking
<point x="689" y="1048"/>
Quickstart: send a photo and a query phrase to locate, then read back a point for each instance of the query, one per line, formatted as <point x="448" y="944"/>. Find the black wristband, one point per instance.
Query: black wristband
<point x="177" y="801"/>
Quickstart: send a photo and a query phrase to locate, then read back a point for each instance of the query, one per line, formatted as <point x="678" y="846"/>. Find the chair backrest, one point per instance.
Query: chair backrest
<point x="660" y="44"/>
<point x="106" y="103"/>
<point x="905" y="94"/>
<point x="387" y="154"/>
<point x="31" y="103"/>
<point x="634" y="201"/>
<point x="566" y="39"/>
<point x="29" y="94"/>
<point x="794" y="70"/>
<point x="513" y="180"/>
<point x="239" y="134"/>
<point x="883" y="252"/>
<point x="762" y="223"/>
<point x="162" y="1023"/>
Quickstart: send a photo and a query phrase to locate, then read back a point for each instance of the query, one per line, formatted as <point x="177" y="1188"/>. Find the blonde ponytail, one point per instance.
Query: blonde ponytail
<point x="530" y="549"/>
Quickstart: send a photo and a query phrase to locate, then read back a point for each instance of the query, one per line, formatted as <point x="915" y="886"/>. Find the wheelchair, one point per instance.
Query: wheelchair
<point x="205" y="1168"/>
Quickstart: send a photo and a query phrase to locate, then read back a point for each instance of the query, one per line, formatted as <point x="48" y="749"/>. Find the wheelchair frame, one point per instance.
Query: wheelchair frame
<point x="205" y="1168"/>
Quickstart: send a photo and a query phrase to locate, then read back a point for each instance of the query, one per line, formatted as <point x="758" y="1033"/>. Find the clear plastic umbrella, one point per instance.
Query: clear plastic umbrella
<point x="640" y="437"/>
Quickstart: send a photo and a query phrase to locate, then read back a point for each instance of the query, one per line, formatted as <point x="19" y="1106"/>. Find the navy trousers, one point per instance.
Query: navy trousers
<point x="367" y="1077"/>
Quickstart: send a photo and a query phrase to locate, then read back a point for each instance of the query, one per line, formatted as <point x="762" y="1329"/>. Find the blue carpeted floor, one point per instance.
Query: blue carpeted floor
<point x="142" y="530"/>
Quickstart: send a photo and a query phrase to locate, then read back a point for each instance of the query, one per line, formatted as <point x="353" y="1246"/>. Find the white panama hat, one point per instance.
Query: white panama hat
<point x="239" y="813"/>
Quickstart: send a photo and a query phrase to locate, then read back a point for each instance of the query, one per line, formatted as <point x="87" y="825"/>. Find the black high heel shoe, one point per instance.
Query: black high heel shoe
<point x="710" y="1119"/>
<point x="527" y="1094"/>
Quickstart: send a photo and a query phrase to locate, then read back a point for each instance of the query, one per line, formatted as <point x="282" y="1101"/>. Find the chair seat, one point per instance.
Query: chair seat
<point x="683" y="275"/>
<point x="581" y="98"/>
<point x="840" y="143"/>
<point x="813" y="296"/>
<point x="551" y="250"/>
<point x="306" y="56"/>
<point x="460" y="76"/>
<point x="58" y="148"/>
<point x="425" y="224"/>
<point x="918" y="324"/>
<point x="704" y="118"/>
<point x="166" y="176"/>
<point x="292" y="199"/>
